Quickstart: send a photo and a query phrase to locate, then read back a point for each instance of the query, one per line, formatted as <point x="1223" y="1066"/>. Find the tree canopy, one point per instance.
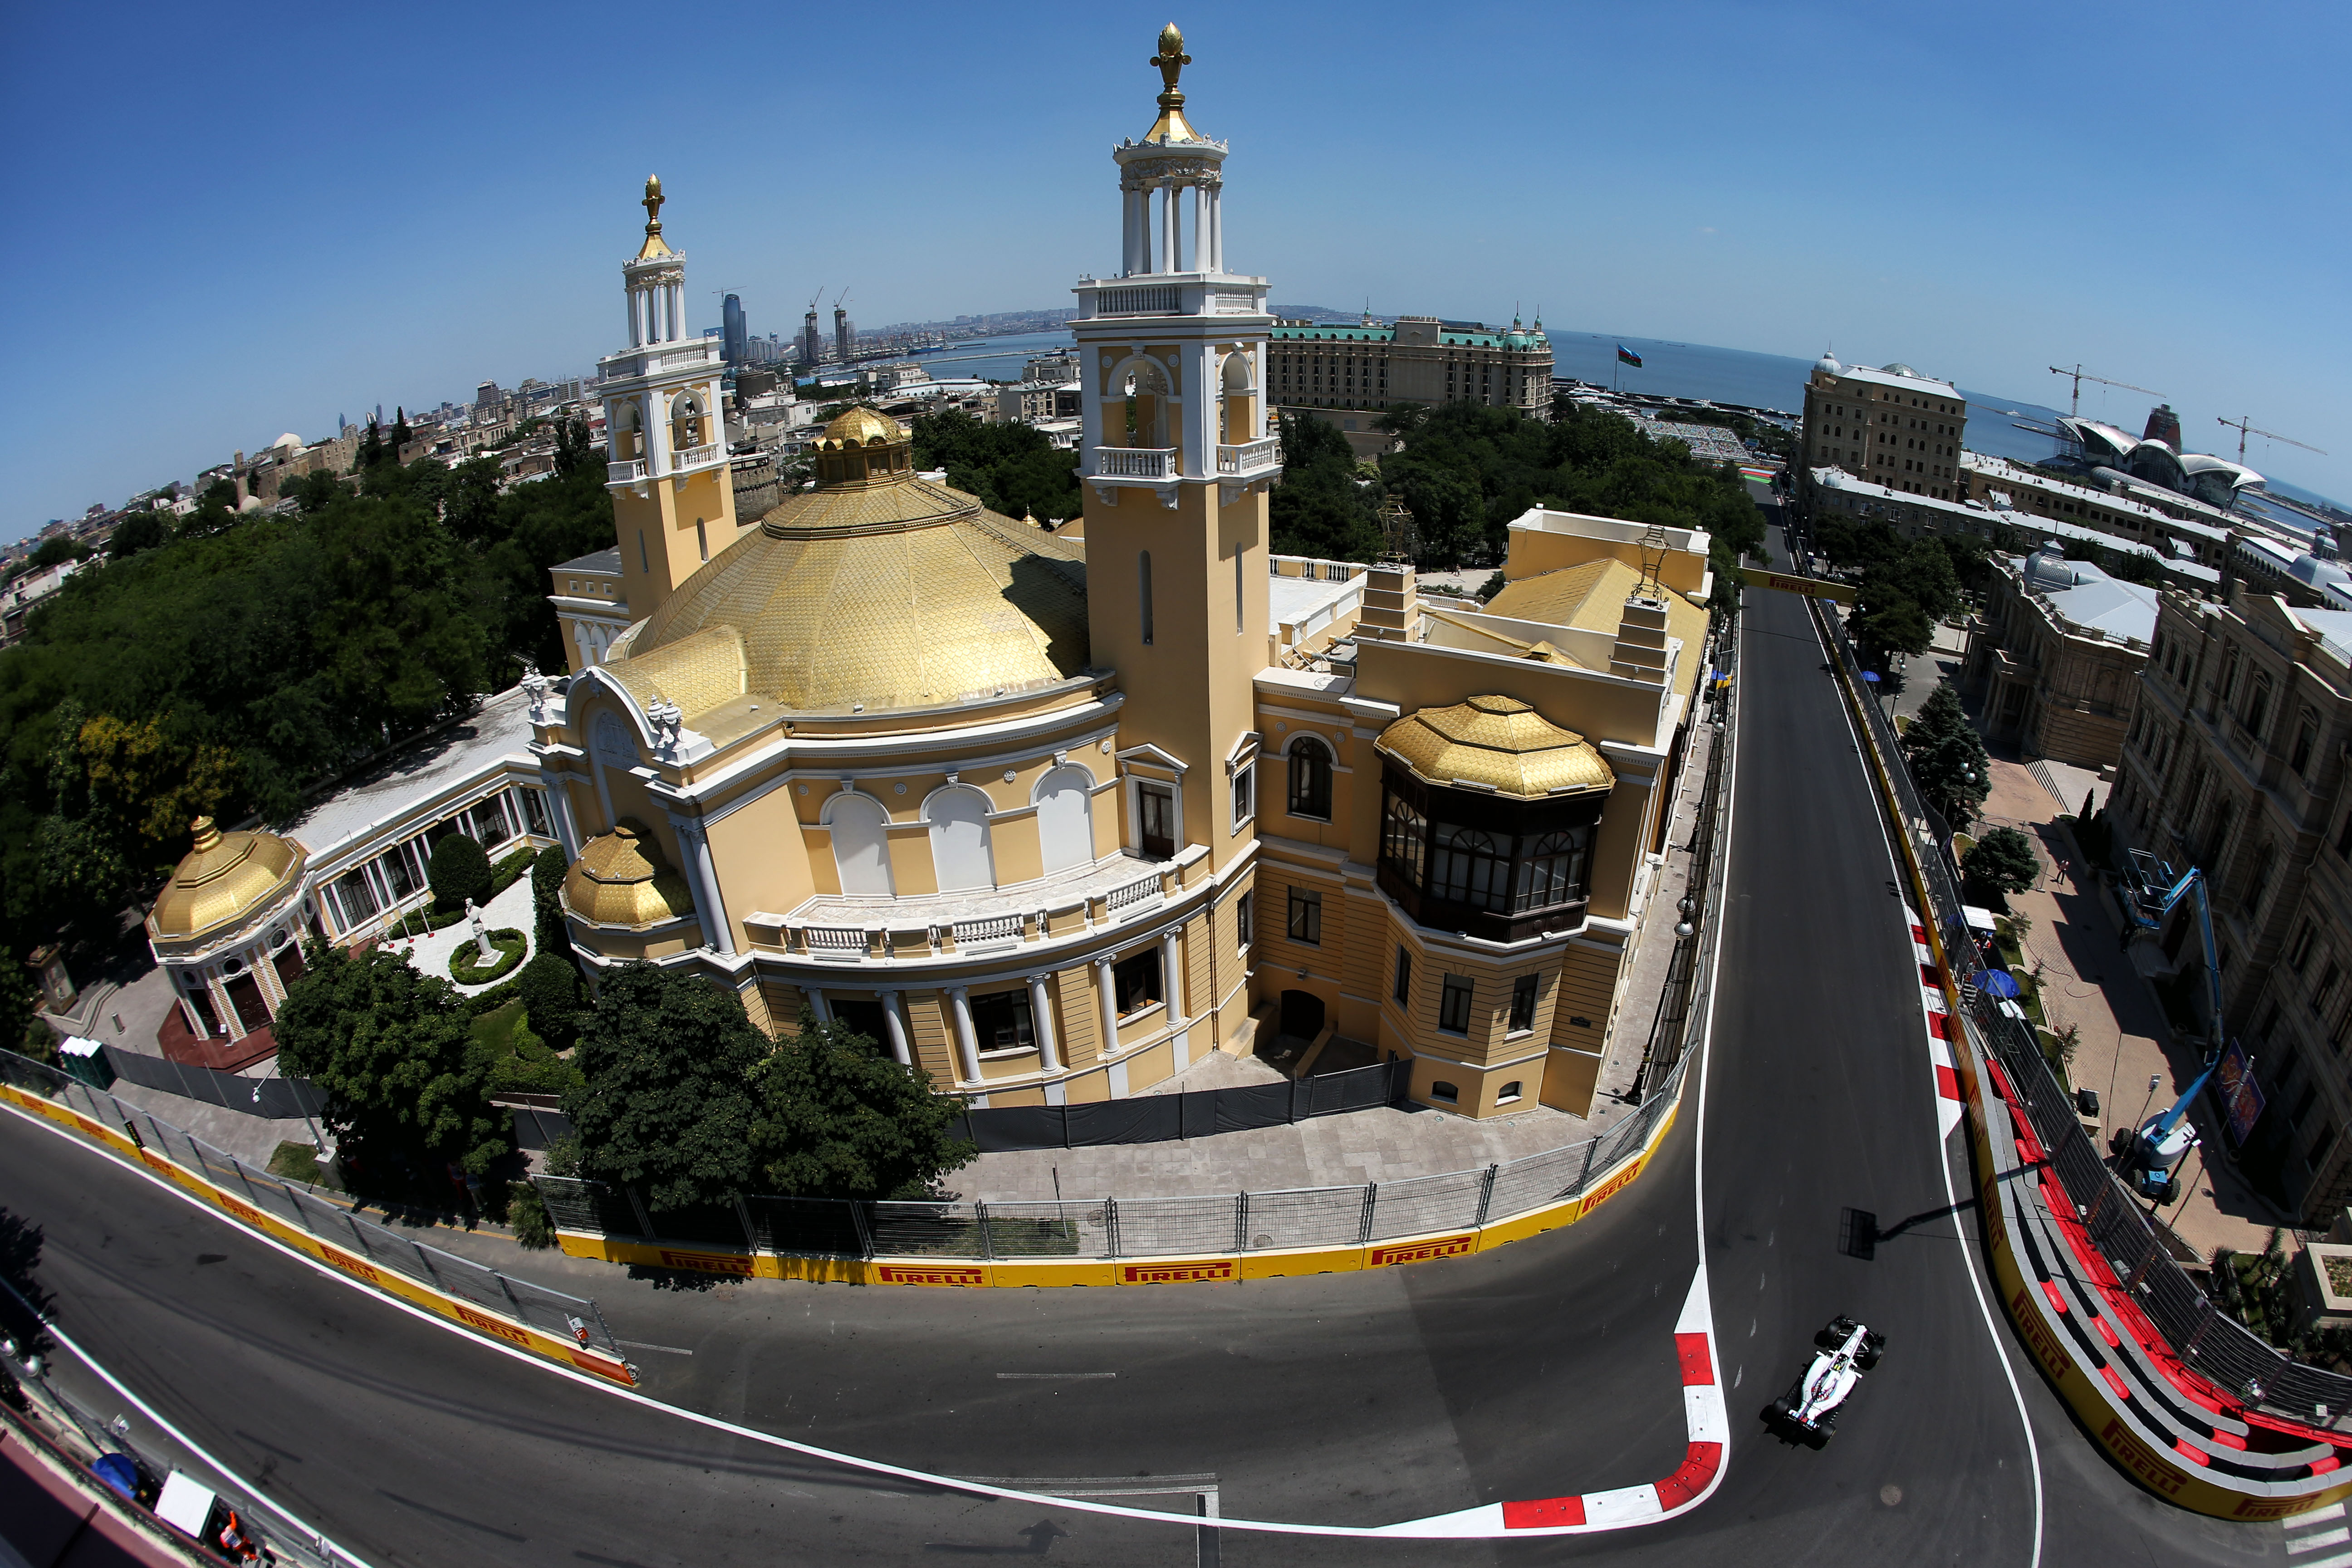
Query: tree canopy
<point x="837" y="1118"/>
<point x="1948" y="757"/>
<point x="2002" y="862"/>
<point x="1015" y="468"/>
<point x="244" y="658"/>
<point x="667" y="1103"/>
<point x="1904" y="587"/>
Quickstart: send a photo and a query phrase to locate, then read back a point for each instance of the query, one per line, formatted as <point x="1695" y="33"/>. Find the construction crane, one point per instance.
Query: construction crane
<point x="2081" y="375"/>
<point x="2244" y="428"/>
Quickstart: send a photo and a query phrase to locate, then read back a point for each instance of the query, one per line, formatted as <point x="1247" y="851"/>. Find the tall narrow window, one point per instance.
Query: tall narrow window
<point x="1403" y="990"/>
<point x="1307" y="916"/>
<point x="701" y="539"/>
<point x="1244" y="796"/>
<point x="1522" y="1003"/>
<point x="1237" y="592"/>
<point x="1454" y="1005"/>
<point x="1310" y="779"/>
<point x="1244" y="917"/>
<point x="1156" y="820"/>
<point x="1143" y="593"/>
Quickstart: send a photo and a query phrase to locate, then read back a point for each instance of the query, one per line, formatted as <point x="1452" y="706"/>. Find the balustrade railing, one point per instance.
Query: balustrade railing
<point x="695" y="457"/>
<point x="1249" y="457"/>
<point x="1133" y="895"/>
<point x="1136" y="462"/>
<point x="625" y="472"/>
<point x="992" y="931"/>
<point x="1151" y="299"/>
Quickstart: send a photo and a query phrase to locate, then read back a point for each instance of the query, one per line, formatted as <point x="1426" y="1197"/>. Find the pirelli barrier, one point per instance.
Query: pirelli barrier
<point x="2185" y="1400"/>
<point x="518" y="1313"/>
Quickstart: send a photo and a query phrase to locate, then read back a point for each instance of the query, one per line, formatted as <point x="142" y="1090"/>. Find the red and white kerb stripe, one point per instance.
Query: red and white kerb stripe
<point x="1943" y="1030"/>
<point x="1701" y="1469"/>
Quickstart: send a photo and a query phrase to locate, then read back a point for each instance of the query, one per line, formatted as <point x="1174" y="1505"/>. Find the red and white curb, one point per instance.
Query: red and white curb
<point x="1700" y="1473"/>
<point x="1940" y="1032"/>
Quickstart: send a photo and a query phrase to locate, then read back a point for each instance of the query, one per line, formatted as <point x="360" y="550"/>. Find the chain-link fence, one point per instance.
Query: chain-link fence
<point x="1220" y="1222"/>
<point x="298" y="1206"/>
<point x="2134" y="1245"/>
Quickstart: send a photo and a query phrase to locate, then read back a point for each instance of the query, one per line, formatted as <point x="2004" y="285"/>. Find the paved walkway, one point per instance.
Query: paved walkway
<point x="2089" y="982"/>
<point x="511" y="910"/>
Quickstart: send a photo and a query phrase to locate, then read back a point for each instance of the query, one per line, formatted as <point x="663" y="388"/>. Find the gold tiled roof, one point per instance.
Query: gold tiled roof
<point x="1499" y="743"/>
<point x="224" y="878"/>
<point x="1591" y="597"/>
<point x="860" y="426"/>
<point x="894" y="593"/>
<point x="620" y="880"/>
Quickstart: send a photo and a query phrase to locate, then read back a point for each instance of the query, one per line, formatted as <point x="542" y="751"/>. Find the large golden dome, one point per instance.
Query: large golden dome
<point x="877" y="590"/>
<point x="226" y="878"/>
<point x="1498" y="743"/>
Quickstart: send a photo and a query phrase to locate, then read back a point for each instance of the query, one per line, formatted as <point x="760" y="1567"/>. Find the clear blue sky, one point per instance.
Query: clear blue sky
<point x="232" y="221"/>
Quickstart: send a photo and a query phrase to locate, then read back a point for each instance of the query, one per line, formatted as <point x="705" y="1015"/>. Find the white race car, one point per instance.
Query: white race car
<point x="1848" y="1350"/>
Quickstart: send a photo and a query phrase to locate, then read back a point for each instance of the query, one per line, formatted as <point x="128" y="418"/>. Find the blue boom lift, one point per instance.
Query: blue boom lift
<point x="2150" y="1156"/>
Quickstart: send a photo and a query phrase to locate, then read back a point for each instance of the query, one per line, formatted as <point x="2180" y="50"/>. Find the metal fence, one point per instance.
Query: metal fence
<point x="300" y="1206"/>
<point x="276" y="1099"/>
<point x="1161" y="1118"/>
<point x="1217" y="1222"/>
<point x="2205" y="1338"/>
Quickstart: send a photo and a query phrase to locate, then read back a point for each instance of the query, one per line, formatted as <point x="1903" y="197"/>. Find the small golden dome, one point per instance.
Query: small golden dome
<point x="862" y="427"/>
<point x="620" y="880"/>
<point x="226" y="878"/>
<point x="1498" y="743"/>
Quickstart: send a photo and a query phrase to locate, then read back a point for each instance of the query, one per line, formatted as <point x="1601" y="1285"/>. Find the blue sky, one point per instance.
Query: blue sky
<point x="232" y="221"/>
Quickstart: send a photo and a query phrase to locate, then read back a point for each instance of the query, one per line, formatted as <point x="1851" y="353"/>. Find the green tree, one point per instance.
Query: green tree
<point x="1318" y="507"/>
<point x="2137" y="566"/>
<point x="549" y="989"/>
<point x="2001" y="862"/>
<point x="460" y="869"/>
<point x="547" y="870"/>
<point x="393" y="1051"/>
<point x="838" y="1118"/>
<point x="1013" y="469"/>
<point x="667" y="1105"/>
<point x="140" y="531"/>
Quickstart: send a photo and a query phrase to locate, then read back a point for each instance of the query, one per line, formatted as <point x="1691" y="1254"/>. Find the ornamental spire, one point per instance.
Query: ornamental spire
<point x="1172" y="60"/>
<point x="655" y="244"/>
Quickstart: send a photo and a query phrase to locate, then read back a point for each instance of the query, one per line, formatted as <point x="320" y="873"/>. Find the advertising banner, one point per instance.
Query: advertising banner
<point x="2242" y="1098"/>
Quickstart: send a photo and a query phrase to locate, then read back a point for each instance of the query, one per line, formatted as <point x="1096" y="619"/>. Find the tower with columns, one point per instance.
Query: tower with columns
<point x="673" y="497"/>
<point x="1177" y="460"/>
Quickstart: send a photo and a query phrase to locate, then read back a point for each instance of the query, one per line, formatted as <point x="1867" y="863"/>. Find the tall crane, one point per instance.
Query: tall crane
<point x="2242" y="426"/>
<point x="2081" y="375"/>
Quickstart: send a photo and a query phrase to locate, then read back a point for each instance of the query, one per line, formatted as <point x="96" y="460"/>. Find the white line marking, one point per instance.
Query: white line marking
<point x="2316" y="1516"/>
<point x="2299" y="1544"/>
<point x="1054" y="1375"/>
<point x="1943" y="1150"/>
<point x="2341" y="1560"/>
<point x="665" y="1349"/>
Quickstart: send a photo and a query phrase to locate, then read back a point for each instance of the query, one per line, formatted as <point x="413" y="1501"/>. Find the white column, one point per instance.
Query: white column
<point x="817" y="1003"/>
<point x="1130" y="253"/>
<point x="1106" y="1002"/>
<point x="566" y="827"/>
<point x="705" y="878"/>
<point x="635" y="337"/>
<point x="1197" y="258"/>
<point x="897" y="1024"/>
<point x="1040" y="1019"/>
<point x="1171" y="976"/>
<point x="1216" y="228"/>
<point x="967" y="1046"/>
<point x="677" y="305"/>
<point x="1167" y="229"/>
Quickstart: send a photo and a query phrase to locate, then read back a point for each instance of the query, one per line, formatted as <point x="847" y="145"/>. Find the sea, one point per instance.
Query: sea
<point x="1998" y="426"/>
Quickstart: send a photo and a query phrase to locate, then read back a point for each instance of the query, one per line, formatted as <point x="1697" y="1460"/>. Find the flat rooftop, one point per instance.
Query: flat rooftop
<point x="497" y="731"/>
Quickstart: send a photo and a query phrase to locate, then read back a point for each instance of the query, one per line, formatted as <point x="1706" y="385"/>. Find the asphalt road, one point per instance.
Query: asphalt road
<point x="1543" y="1368"/>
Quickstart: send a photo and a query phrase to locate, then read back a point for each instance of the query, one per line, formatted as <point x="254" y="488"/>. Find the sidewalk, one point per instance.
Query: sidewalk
<point x="2088" y="980"/>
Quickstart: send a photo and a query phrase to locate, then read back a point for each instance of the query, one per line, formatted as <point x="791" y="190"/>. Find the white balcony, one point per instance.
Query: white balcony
<point x="626" y="473"/>
<point x="700" y="456"/>
<point x="1135" y="462"/>
<point x="1249" y="458"/>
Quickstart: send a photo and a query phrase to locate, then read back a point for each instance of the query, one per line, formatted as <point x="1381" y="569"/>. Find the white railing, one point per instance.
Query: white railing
<point x="1157" y="300"/>
<point x="1135" y="896"/>
<point x="835" y="941"/>
<point x="1136" y="462"/>
<point x="695" y="457"/>
<point x="1236" y="302"/>
<point x="625" y="473"/>
<point x="993" y="928"/>
<point x="1249" y="457"/>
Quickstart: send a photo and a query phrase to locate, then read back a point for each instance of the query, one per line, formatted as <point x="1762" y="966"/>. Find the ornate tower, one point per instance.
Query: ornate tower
<point x="1177" y="461"/>
<point x="673" y="497"/>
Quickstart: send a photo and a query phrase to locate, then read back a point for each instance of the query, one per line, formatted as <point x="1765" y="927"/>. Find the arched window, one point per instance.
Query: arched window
<point x="959" y="853"/>
<point x="1469" y="867"/>
<point x="1551" y="870"/>
<point x="1402" y="838"/>
<point x="685" y="422"/>
<point x="861" y="844"/>
<point x="1310" y="779"/>
<point x="1065" y="829"/>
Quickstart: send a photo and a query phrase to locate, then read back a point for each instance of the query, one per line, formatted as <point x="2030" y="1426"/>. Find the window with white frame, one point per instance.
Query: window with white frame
<point x="1244" y="796"/>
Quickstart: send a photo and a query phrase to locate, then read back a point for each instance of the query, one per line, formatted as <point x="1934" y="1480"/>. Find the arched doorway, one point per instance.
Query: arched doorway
<point x="1302" y="1013"/>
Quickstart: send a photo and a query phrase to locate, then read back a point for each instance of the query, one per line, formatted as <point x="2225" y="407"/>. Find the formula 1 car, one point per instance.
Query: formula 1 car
<point x="1848" y="1350"/>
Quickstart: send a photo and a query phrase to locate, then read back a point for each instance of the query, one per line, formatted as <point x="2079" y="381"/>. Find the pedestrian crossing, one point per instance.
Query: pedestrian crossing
<point x="2321" y="1530"/>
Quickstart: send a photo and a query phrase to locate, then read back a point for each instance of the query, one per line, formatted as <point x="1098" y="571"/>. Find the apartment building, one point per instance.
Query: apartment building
<point x="1892" y="426"/>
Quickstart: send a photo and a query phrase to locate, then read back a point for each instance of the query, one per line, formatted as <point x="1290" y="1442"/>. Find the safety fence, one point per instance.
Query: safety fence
<point x="1568" y="1183"/>
<point x="277" y="1099"/>
<point x="361" y="1248"/>
<point x="2135" y="1244"/>
<point x="1161" y="1118"/>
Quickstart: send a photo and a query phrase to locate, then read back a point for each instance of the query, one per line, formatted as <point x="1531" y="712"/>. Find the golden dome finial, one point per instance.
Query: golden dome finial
<point x="207" y="836"/>
<point x="1172" y="60"/>
<point x="655" y="244"/>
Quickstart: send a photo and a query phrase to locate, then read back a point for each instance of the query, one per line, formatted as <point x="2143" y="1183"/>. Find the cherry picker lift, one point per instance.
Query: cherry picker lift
<point x="2150" y="1157"/>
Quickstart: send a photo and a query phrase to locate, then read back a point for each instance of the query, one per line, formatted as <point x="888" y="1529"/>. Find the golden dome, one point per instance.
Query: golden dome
<point x="867" y="595"/>
<point x="1498" y="743"/>
<point x="1172" y="60"/>
<point x="655" y="246"/>
<point x="861" y="427"/>
<point x="226" y="878"/>
<point x="620" y="880"/>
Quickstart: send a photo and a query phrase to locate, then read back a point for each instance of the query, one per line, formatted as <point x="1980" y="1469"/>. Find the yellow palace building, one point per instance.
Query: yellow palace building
<point x="1053" y="815"/>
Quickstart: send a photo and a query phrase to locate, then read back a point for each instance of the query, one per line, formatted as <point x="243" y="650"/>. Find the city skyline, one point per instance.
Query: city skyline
<point x="339" y="238"/>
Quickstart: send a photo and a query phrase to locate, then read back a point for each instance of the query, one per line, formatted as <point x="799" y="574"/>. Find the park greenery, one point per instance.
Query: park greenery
<point x="1948" y="757"/>
<point x="229" y="663"/>
<point x="2000" y="863"/>
<point x="1464" y="471"/>
<point x="1013" y="469"/>
<point x="1904" y="587"/>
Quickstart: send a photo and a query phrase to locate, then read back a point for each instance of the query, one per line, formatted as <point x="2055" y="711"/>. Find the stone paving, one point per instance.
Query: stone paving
<point x="510" y="910"/>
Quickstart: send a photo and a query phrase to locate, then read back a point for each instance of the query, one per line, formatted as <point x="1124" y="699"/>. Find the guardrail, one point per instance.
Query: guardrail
<point x="514" y="1311"/>
<point x="2208" y="1341"/>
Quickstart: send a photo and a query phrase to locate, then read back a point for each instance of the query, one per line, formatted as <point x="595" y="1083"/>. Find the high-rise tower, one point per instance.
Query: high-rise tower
<point x="673" y="497"/>
<point x="844" y="336"/>
<point x="734" y="334"/>
<point x="1176" y="464"/>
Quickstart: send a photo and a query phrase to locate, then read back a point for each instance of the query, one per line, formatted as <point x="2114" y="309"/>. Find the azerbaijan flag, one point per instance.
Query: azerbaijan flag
<point x="1627" y="356"/>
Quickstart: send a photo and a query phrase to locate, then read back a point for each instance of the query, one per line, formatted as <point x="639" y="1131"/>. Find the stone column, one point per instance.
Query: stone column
<point x="703" y="875"/>
<point x="817" y="1003"/>
<point x="899" y="1046"/>
<point x="967" y="1045"/>
<point x="1198" y="260"/>
<point x="1041" y="1020"/>
<point x="1171" y="976"/>
<point x="1168" y="226"/>
<point x="1216" y="228"/>
<point x="1106" y="1002"/>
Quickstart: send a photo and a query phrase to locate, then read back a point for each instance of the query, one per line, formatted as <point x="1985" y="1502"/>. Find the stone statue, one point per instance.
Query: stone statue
<point x="485" y="955"/>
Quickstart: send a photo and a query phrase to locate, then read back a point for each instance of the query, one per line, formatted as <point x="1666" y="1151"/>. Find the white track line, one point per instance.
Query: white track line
<point x="1943" y="1150"/>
